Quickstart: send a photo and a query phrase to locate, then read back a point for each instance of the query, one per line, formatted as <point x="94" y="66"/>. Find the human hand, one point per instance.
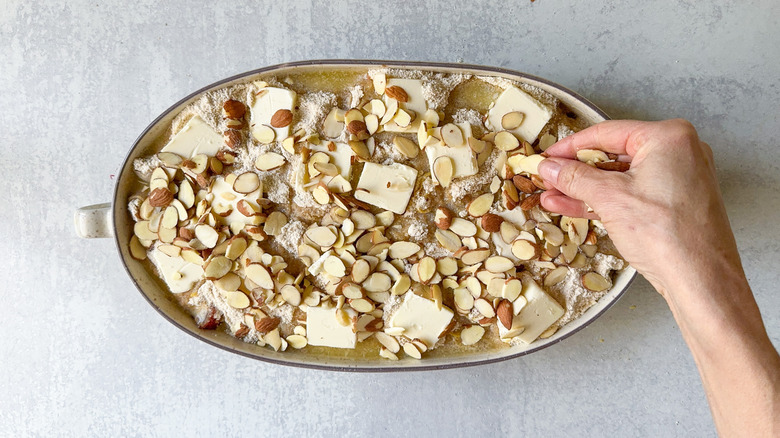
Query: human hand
<point x="664" y="212"/>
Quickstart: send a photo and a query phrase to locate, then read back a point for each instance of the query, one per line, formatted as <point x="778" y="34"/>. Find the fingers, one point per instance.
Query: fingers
<point x="580" y="181"/>
<point x="615" y="136"/>
<point x="556" y="202"/>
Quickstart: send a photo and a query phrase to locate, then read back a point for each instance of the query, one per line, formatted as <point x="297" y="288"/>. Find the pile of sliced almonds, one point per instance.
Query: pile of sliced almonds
<point x="351" y="265"/>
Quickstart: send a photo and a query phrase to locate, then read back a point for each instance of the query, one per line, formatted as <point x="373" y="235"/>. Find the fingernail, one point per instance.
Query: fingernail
<point x="549" y="170"/>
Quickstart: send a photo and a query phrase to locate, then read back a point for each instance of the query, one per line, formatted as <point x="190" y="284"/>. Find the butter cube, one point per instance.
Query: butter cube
<point x="179" y="275"/>
<point x="341" y="157"/>
<point x="266" y="104"/>
<point x="225" y="195"/>
<point x="386" y="186"/>
<point x="420" y="318"/>
<point x="536" y="114"/>
<point x="537" y="315"/>
<point x="323" y="329"/>
<point x="196" y="137"/>
<point x="462" y="157"/>
<point x="416" y="102"/>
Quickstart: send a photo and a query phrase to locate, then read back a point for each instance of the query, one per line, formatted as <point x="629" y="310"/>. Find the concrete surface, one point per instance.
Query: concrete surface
<point x="82" y="354"/>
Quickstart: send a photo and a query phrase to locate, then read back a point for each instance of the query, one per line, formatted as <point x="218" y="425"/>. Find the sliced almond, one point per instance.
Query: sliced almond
<point x="512" y="120"/>
<point x="508" y="232"/>
<point x="478" y="146"/>
<point x="269" y="161"/>
<point x="498" y="264"/>
<point x="297" y="341"/>
<point x="463" y="227"/>
<point x="555" y="276"/>
<point x="471" y="334"/>
<point x="443" y="170"/>
<point x="474" y="256"/>
<point x="274" y="223"/>
<point x="464" y="300"/>
<point x="511" y="289"/>
<point x="259" y="275"/>
<point x="137" y="251"/>
<point x="412" y="350"/>
<point x="389" y="342"/>
<point x="246" y="183"/>
<point x="595" y="282"/>
<point x="447" y="266"/>
<point x="452" y="136"/>
<point x="480" y="205"/>
<point x="334" y="266"/>
<point x="448" y="240"/>
<point x="361" y="305"/>
<point x="551" y="233"/>
<point x="506" y="141"/>
<point x="352" y="291"/>
<point x="237" y="300"/>
<point x="391" y="110"/>
<point x="377" y="282"/>
<point x="403" y="118"/>
<point x="406" y="147"/>
<point x="264" y="134"/>
<point x="229" y="282"/>
<point x="592" y="156"/>
<point x="290" y="294"/>
<point x="360" y="149"/>
<point x="207" y="235"/>
<point x="426" y="268"/>
<point x="199" y="163"/>
<point x="217" y="267"/>
<point x="578" y="230"/>
<point x="360" y="271"/>
<point x="401" y="285"/>
<point x="484" y="307"/>
<point x="403" y="250"/>
<point x="525" y="250"/>
<point x="170" y="217"/>
<point x="321" y="236"/>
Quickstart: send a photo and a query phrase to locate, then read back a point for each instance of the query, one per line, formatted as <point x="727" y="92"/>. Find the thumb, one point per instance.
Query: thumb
<point x="580" y="181"/>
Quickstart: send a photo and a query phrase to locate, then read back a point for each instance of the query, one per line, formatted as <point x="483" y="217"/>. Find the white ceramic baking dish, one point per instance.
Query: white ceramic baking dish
<point x="113" y="219"/>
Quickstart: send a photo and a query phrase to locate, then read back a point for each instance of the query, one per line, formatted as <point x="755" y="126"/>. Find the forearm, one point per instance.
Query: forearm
<point x="739" y="367"/>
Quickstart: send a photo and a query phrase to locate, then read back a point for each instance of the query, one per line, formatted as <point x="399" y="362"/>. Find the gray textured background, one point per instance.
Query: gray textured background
<point x="81" y="353"/>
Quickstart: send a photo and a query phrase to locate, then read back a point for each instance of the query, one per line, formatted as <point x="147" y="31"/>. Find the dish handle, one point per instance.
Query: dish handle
<point x="94" y="221"/>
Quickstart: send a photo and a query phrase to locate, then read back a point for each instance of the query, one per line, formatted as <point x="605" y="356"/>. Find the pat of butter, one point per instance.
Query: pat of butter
<point x="416" y="102"/>
<point x="266" y="104"/>
<point x="341" y="157"/>
<point x="462" y="157"/>
<point x="420" y="318"/>
<point x="537" y="315"/>
<point x="225" y="195"/>
<point x="196" y="137"/>
<point x="414" y="90"/>
<point x="323" y="329"/>
<point x="179" y="275"/>
<point x="388" y="187"/>
<point x="536" y="114"/>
